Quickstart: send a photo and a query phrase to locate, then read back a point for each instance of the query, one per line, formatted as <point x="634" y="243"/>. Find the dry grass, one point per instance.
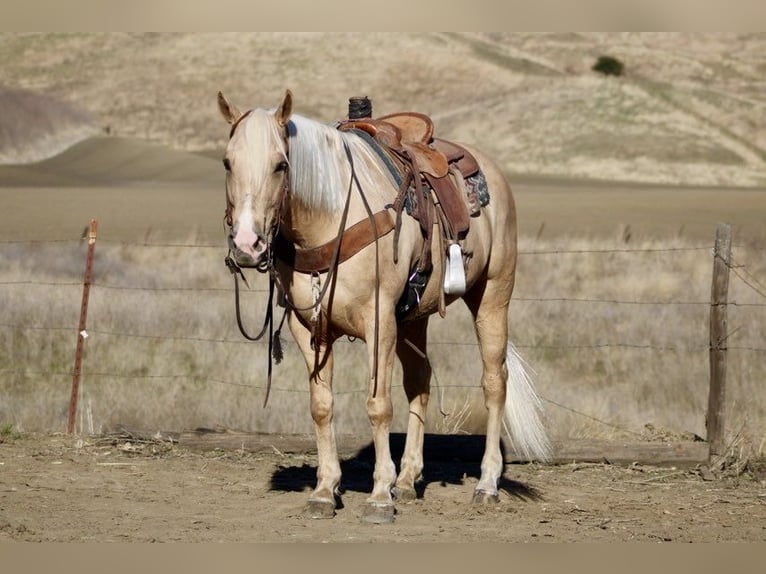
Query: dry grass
<point x="689" y="108"/>
<point x="55" y="127"/>
<point x="166" y="355"/>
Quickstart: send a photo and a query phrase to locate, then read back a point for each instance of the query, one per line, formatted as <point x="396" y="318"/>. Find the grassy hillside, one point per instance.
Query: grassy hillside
<point x="113" y="161"/>
<point x="35" y="126"/>
<point x="688" y="109"/>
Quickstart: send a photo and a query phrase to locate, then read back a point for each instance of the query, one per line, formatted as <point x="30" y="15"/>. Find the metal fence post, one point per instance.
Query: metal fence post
<point x="82" y="334"/>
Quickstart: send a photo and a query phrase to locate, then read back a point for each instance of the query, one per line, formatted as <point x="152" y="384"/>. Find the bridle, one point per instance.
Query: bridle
<point x="267" y="265"/>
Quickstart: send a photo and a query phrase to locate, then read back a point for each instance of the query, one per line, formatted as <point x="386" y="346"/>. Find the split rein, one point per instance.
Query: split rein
<point x="275" y="346"/>
<point x="275" y="343"/>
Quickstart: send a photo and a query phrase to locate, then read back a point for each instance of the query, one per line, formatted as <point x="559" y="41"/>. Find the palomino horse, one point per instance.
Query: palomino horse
<point x="296" y="181"/>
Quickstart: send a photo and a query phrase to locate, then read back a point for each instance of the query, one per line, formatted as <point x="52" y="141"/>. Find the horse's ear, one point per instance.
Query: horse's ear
<point x="229" y="111"/>
<point x="285" y="109"/>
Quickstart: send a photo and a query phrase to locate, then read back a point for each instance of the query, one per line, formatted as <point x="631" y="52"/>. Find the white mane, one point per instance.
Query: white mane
<point x="318" y="173"/>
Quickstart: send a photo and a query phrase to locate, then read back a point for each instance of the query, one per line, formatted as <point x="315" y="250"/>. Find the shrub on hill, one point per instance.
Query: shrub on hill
<point x="609" y="66"/>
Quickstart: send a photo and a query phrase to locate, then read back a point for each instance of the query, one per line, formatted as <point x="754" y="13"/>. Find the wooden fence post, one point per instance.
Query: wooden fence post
<point x="82" y="334"/>
<point x="718" y="345"/>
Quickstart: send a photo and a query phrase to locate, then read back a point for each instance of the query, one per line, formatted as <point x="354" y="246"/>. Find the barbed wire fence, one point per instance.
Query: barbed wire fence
<point x="11" y="371"/>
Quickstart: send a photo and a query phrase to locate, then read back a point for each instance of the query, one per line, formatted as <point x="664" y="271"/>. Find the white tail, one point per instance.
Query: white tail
<point x="522" y="410"/>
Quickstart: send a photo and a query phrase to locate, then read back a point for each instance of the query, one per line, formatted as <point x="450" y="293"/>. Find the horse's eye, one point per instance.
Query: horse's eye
<point x="226" y="164"/>
<point x="281" y="166"/>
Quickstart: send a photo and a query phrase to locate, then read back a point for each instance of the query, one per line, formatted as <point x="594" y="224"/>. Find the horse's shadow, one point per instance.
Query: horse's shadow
<point x="449" y="459"/>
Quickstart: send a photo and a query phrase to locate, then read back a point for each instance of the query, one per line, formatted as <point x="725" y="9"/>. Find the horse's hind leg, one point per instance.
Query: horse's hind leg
<point x="321" y="503"/>
<point x="489" y="304"/>
<point x="416" y="376"/>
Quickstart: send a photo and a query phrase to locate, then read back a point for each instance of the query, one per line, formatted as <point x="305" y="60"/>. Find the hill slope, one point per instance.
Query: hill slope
<point x="112" y="161"/>
<point x="36" y="126"/>
<point x="690" y="108"/>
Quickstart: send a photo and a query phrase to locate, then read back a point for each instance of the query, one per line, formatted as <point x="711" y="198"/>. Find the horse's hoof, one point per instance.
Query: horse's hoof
<point x="378" y="513"/>
<point x="404" y="493"/>
<point x="482" y="497"/>
<point x="319" y="509"/>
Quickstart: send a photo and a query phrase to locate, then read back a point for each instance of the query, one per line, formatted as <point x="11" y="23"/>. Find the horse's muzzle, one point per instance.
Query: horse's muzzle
<point x="250" y="254"/>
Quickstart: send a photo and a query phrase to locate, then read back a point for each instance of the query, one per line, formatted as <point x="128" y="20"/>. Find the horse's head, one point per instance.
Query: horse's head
<point x="256" y="163"/>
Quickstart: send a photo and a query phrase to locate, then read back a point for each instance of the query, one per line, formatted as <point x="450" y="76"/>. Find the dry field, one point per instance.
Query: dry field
<point x="619" y="183"/>
<point x="613" y="351"/>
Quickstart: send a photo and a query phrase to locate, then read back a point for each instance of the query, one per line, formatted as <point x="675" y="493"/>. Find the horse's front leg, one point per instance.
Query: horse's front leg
<point x="322" y="502"/>
<point x="380" y="504"/>
<point x="416" y="376"/>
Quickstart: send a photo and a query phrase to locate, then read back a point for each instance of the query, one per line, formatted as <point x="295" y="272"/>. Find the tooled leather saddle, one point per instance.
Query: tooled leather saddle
<point x="407" y="137"/>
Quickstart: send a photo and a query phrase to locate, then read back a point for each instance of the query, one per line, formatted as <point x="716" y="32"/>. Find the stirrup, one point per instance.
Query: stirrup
<point x="454" y="277"/>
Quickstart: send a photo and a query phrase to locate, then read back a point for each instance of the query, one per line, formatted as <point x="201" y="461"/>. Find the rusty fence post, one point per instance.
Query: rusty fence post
<point x="719" y="296"/>
<point x="82" y="334"/>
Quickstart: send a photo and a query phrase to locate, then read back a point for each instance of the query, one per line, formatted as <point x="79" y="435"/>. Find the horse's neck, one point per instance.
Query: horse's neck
<point x="307" y="227"/>
<point x="314" y="213"/>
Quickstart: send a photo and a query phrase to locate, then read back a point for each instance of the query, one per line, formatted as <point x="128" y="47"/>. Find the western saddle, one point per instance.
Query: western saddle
<point x="421" y="164"/>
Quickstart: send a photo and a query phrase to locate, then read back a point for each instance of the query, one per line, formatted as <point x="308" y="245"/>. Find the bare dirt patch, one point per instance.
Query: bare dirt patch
<point x="56" y="488"/>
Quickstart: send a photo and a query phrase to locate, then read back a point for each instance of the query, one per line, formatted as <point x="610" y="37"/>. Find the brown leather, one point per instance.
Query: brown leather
<point x="450" y="197"/>
<point x="414" y="126"/>
<point x="466" y="163"/>
<point x="406" y="132"/>
<point x="432" y="156"/>
<point x="383" y="132"/>
<point x="410" y="136"/>
<point x="318" y="259"/>
<point x="453" y="204"/>
<point x="237" y="121"/>
<point x="364" y="125"/>
<point x="428" y="160"/>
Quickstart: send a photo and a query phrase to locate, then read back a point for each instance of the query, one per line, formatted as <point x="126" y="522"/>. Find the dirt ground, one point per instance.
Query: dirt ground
<point x="58" y="488"/>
